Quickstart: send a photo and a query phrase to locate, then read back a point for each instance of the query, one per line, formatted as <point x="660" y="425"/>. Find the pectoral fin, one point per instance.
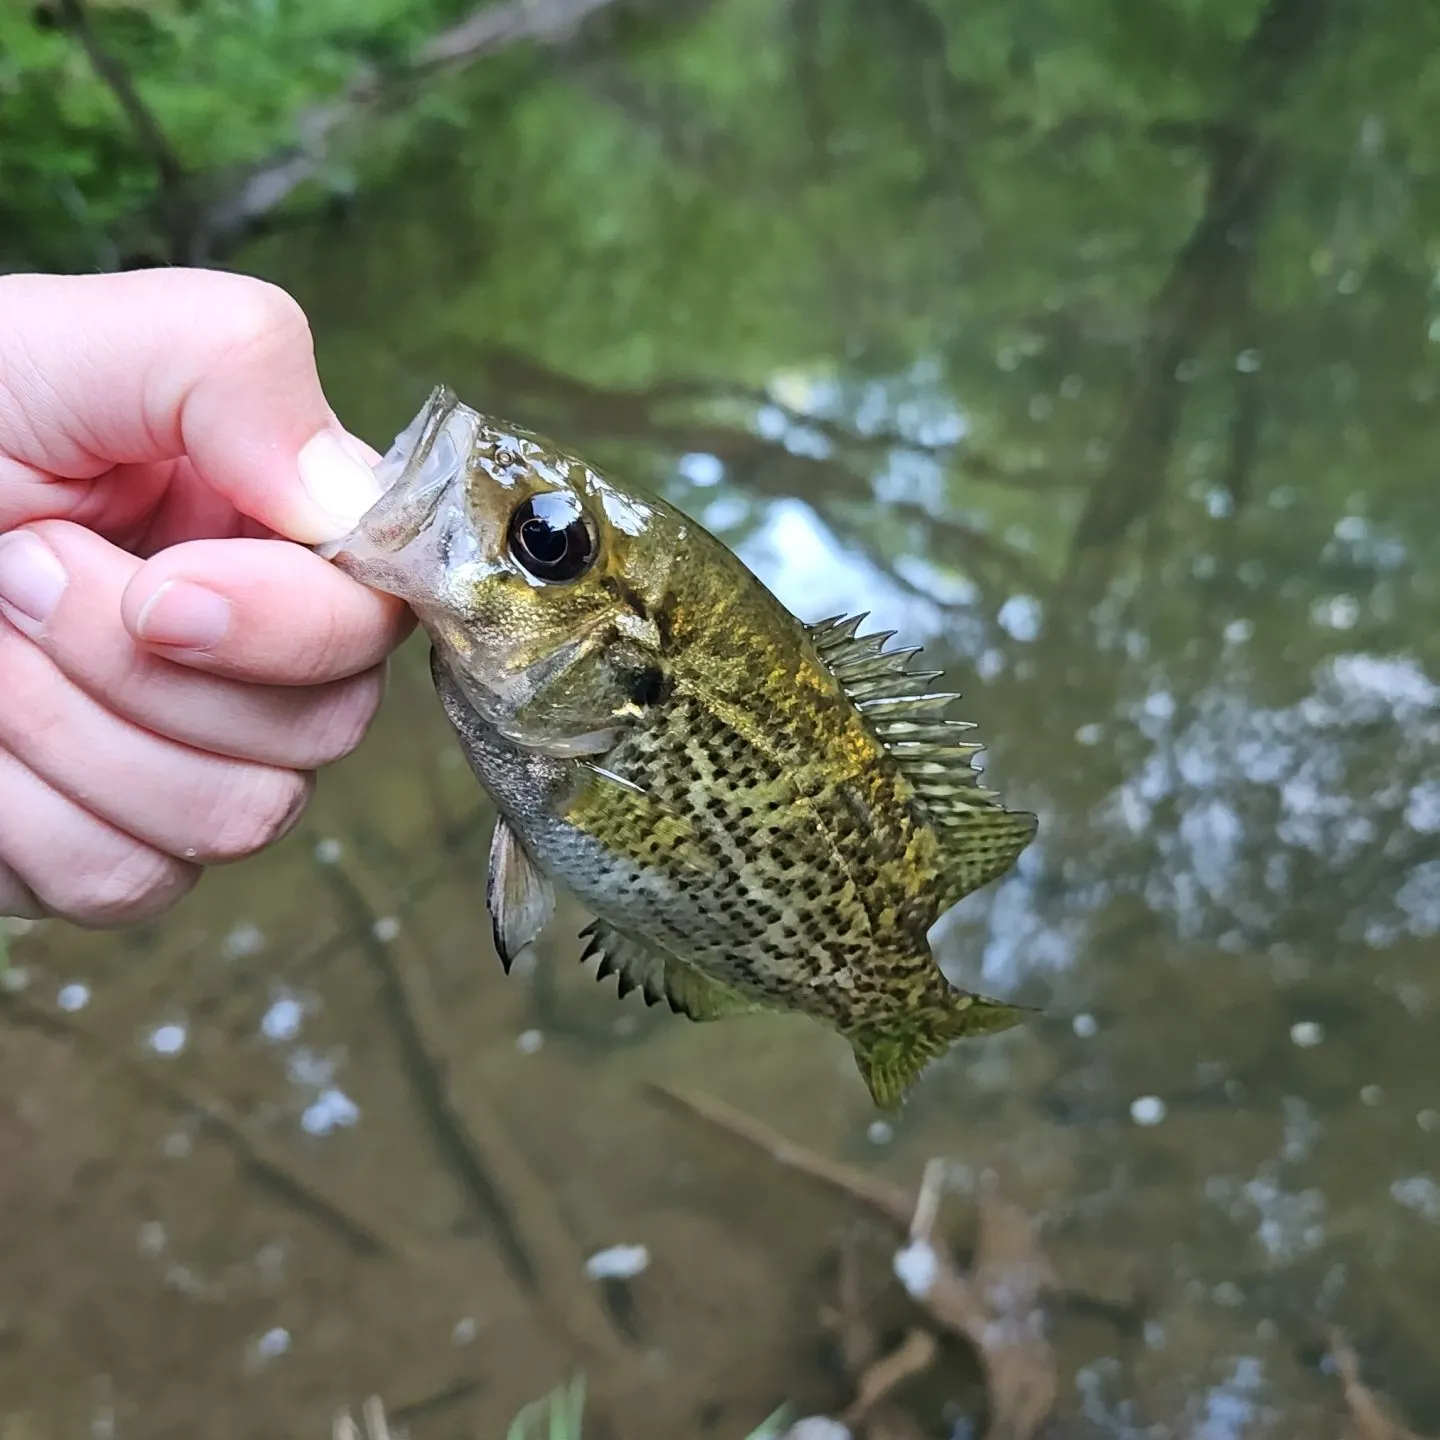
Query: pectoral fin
<point x="659" y="976"/>
<point x="628" y="820"/>
<point x="520" y="898"/>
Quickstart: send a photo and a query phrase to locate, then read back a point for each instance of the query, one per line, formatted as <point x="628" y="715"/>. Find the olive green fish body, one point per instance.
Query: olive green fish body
<point x="761" y="814"/>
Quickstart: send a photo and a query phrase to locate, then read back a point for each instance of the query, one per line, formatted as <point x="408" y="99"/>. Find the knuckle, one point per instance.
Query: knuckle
<point x="258" y="314"/>
<point x="328" y="635"/>
<point x="341" y="717"/>
<point x="140" y="886"/>
<point x="257" y="807"/>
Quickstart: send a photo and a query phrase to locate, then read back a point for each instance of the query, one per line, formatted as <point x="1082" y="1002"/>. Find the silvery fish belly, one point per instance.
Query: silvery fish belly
<point x="761" y="814"/>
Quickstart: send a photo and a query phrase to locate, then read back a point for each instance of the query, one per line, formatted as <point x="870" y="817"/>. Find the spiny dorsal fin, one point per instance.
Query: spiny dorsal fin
<point x="980" y="838"/>
<point x="659" y="976"/>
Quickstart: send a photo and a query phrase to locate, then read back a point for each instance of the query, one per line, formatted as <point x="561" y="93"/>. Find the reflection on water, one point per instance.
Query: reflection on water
<point x="1099" y="358"/>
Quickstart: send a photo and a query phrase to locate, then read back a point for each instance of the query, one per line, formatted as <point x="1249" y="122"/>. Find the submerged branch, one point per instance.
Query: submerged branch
<point x="352" y="1219"/>
<point x="1209" y="283"/>
<point x="1369" y="1418"/>
<point x="890" y="1201"/>
<point x="998" y="1307"/>
<point x="474" y="1142"/>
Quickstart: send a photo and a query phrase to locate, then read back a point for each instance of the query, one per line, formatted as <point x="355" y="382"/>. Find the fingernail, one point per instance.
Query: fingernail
<point x="32" y="580"/>
<point x="338" y="479"/>
<point x="183" y="616"/>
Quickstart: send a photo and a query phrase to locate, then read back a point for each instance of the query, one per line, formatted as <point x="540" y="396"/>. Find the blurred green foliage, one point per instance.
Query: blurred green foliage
<point x="226" y="82"/>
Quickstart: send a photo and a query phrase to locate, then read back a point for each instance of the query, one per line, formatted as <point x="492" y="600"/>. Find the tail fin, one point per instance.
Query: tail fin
<point x="891" y="1056"/>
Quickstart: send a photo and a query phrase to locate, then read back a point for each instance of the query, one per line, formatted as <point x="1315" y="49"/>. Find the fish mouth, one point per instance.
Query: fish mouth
<point x="402" y="543"/>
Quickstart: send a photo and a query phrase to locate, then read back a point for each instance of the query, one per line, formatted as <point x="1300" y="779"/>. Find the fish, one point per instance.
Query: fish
<point x="761" y="813"/>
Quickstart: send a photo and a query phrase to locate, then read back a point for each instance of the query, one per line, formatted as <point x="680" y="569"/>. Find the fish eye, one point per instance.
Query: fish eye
<point x="504" y="459"/>
<point x="551" y="537"/>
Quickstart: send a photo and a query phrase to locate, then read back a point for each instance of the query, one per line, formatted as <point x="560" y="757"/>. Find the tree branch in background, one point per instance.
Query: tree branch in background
<point x="196" y="232"/>
<point x="176" y="204"/>
<point x="492" y="27"/>
<point x="1208" y="285"/>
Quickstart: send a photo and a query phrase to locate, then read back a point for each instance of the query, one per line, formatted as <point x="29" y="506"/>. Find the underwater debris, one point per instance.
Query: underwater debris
<point x="998" y="1308"/>
<point x="1370" y="1419"/>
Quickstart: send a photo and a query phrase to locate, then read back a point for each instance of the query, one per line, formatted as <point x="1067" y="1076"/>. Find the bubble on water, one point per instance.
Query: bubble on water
<point x="1237" y="632"/>
<point x="385" y="929"/>
<point x="465" y="1331"/>
<point x="1428" y="1121"/>
<point x="1159" y="705"/>
<point x="527" y="1042"/>
<point x="242" y="942"/>
<point x="169" y="1039"/>
<point x="618" y="1262"/>
<point x="1147" y="1110"/>
<point x="328" y="852"/>
<point x="283" y="1019"/>
<point x="1020" y="616"/>
<point x="177" y="1145"/>
<point x="1247" y="362"/>
<point x="1419" y="1193"/>
<point x="273" y="1343"/>
<point x="917" y="1267"/>
<point x="1338" y="612"/>
<point x="151" y="1239"/>
<point x="880" y="1132"/>
<point x="75" y="996"/>
<point x="1306" y="1033"/>
<point x="1371" y="1095"/>
<point x="1091" y="734"/>
<point x="701" y="468"/>
<point x="13" y="979"/>
<point x="818" y="1427"/>
<point x="1085" y="1026"/>
<point x="990" y="664"/>
<point x="331" y="1110"/>
<point x="1229" y="1294"/>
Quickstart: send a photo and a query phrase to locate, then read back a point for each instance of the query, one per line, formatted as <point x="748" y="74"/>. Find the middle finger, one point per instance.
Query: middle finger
<point x="84" y="635"/>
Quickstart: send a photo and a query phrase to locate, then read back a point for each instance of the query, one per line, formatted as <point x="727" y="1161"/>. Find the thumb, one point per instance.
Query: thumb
<point x="152" y="365"/>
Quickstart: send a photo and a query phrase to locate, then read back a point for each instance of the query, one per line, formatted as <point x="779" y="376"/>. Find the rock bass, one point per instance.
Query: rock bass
<point x="761" y="814"/>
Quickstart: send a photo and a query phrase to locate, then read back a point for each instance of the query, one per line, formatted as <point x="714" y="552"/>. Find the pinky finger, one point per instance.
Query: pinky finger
<point x="74" y="864"/>
<point x="17" y="902"/>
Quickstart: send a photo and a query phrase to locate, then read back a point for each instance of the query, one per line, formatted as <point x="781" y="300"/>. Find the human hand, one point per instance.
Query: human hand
<point x="171" y="670"/>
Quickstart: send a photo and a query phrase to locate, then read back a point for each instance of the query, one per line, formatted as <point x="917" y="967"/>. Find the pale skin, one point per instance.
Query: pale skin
<point x="172" y="672"/>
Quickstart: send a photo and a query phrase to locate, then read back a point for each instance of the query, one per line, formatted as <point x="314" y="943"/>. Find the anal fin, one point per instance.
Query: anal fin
<point x="701" y="998"/>
<point x="658" y="976"/>
<point x="892" y="1056"/>
<point x="520" y="899"/>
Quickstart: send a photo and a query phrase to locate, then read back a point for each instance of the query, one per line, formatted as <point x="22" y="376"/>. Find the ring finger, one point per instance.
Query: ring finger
<point x="175" y="799"/>
<point x="74" y="865"/>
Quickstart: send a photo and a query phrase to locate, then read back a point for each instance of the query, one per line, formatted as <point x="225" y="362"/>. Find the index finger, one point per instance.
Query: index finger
<point x="150" y="365"/>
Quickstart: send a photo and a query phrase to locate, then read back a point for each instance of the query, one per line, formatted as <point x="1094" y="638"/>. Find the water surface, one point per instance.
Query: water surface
<point x="1093" y="346"/>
